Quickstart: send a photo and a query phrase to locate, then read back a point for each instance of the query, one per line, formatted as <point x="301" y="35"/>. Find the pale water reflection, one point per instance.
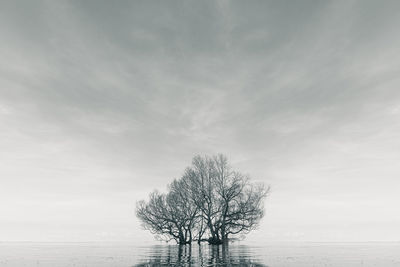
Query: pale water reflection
<point x="203" y="255"/>
<point x="91" y="254"/>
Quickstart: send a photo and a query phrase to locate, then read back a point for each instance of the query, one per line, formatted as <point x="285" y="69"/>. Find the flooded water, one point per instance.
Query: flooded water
<point x="127" y="255"/>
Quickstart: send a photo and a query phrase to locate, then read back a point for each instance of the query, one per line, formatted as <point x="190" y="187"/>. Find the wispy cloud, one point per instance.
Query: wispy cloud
<point x="102" y="102"/>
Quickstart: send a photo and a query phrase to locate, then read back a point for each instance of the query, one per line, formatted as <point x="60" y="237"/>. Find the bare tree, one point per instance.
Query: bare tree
<point x="157" y="217"/>
<point x="184" y="208"/>
<point x="229" y="203"/>
<point x="210" y="202"/>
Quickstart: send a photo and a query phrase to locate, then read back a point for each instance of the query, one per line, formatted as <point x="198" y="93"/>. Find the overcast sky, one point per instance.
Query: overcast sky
<point x="102" y="102"/>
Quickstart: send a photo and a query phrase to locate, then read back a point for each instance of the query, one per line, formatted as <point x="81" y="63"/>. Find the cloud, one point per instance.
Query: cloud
<point x="98" y="99"/>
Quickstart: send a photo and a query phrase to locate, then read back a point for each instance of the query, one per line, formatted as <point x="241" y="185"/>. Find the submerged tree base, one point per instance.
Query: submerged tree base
<point x="216" y="241"/>
<point x="185" y="243"/>
<point x="210" y="241"/>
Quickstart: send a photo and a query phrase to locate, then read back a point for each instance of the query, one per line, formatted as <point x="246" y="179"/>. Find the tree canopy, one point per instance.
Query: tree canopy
<point x="210" y="202"/>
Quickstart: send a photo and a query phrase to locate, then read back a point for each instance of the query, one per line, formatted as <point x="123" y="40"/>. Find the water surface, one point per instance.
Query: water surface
<point x="237" y="254"/>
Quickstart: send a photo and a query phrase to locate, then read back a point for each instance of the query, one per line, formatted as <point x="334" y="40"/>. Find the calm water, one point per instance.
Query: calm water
<point x="273" y="255"/>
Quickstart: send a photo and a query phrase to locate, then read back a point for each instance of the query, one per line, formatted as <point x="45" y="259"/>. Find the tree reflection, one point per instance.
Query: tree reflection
<point x="199" y="255"/>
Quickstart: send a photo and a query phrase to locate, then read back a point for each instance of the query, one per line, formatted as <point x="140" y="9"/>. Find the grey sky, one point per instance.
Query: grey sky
<point x="102" y="102"/>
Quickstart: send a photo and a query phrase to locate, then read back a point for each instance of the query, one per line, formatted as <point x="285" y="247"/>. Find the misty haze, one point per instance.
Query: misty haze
<point x="199" y="133"/>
